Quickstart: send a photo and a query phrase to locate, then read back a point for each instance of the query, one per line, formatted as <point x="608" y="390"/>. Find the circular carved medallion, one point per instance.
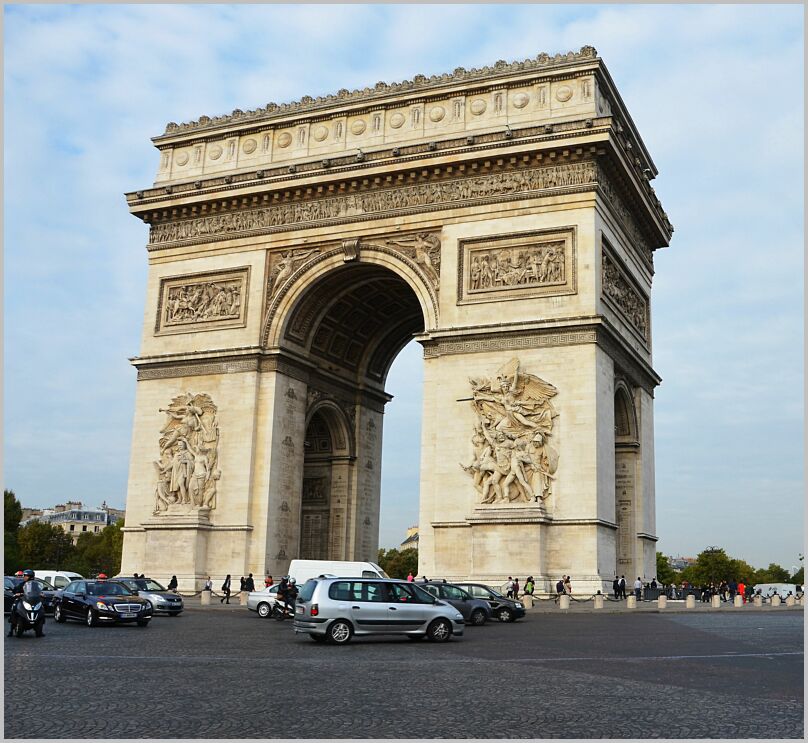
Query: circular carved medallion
<point x="564" y="93"/>
<point x="437" y="113"/>
<point x="182" y="158"/>
<point x="478" y="106"/>
<point x="320" y="133"/>
<point x="284" y="139"/>
<point x="215" y="152"/>
<point x="250" y="146"/>
<point x="358" y="126"/>
<point x="396" y="120"/>
<point x="520" y="100"/>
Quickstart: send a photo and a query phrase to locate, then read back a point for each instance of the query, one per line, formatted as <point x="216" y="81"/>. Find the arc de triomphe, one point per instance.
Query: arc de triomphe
<point x="501" y="216"/>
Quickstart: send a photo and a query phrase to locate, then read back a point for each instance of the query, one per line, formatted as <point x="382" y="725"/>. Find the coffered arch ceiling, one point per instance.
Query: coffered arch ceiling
<point x="356" y="319"/>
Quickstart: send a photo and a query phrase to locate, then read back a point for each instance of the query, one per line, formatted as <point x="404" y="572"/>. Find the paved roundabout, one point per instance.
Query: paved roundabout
<point x="223" y="672"/>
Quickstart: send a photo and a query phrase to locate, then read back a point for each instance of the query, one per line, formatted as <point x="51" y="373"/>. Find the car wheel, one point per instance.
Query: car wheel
<point x="478" y="617"/>
<point x="439" y="631"/>
<point x="505" y="615"/>
<point x="340" y="632"/>
<point x="58" y="614"/>
<point x="91" y="618"/>
<point x="143" y="622"/>
<point x="264" y="610"/>
<point x="318" y="638"/>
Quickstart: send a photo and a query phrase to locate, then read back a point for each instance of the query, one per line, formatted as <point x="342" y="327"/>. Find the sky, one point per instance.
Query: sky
<point x="716" y="91"/>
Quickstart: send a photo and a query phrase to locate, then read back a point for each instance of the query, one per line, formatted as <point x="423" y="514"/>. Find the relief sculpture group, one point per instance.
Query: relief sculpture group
<point x="514" y="459"/>
<point x="495" y="269"/>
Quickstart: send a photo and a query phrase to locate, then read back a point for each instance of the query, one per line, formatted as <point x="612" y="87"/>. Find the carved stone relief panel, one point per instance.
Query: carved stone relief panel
<point x="516" y="266"/>
<point x="208" y="301"/>
<point x="514" y="457"/>
<point x="423" y="248"/>
<point x="187" y="471"/>
<point x="621" y="293"/>
<point x="282" y="265"/>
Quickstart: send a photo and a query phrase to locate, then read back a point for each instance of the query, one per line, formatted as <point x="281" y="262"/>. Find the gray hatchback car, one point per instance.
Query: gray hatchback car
<point x="336" y="609"/>
<point x="474" y="611"/>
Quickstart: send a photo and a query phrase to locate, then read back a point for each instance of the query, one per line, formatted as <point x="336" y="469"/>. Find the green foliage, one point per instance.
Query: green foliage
<point x="773" y="574"/>
<point x="43" y="546"/>
<point x="398" y="563"/>
<point x="11" y="522"/>
<point x="798" y="577"/>
<point x="665" y="574"/>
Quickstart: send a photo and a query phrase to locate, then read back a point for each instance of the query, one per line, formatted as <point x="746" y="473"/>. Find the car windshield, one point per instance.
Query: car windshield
<point x="142" y="584"/>
<point x="103" y="588"/>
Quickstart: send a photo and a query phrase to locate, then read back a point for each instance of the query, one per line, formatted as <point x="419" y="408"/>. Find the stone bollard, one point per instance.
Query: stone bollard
<point x="205" y="596"/>
<point x="757" y="600"/>
<point x="527" y="600"/>
<point x="599" y="601"/>
<point x="242" y="599"/>
<point x="564" y="601"/>
<point x="662" y="601"/>
<point x="776" y="600"/>
<point x="738" y="601"/>
<point x="715" y="602"/>
<point x="690" y="601"/>
<point x="631" y="602"/>
<point x="790" y="601"/>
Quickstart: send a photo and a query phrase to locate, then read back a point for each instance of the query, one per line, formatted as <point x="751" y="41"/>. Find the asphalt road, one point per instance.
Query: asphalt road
<point x="225" y="673"/>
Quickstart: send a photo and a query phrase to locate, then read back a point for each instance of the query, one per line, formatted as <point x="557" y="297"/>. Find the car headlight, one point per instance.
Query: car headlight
<point x="518" y="605"/>
<point x="26" y="606"/>
<point x="37" y="607"/>
<point x="458" y="616"/>
<point x="100" y="605"/>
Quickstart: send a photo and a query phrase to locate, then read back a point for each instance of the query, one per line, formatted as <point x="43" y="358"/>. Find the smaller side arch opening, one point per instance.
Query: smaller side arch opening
<point x="626" y="451"/>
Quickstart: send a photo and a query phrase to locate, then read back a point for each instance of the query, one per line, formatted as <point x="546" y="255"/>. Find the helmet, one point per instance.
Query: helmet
<point x="18" y="574"/>
<point x="292" y="581"/>
<point x="28" y="573"/>
<point x="286" y="577"/>
<point x="102" y="576"/>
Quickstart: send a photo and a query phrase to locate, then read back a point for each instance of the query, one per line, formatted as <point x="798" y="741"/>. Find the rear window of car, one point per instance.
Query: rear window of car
<point x="306" y="592"/>
<point x="344" y="590"/>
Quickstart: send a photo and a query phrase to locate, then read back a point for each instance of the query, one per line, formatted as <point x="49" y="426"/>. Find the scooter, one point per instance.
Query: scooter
<point x="28" y="611"/>
<point x="282" y="611"/>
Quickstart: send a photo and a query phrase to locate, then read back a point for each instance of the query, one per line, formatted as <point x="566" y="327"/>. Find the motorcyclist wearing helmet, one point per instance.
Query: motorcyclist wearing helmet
<point x="287" y="592"/>
<point x="17" y="594"/>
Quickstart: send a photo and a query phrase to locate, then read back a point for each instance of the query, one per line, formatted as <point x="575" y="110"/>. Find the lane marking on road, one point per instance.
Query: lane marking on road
<point x="274" y="659"/>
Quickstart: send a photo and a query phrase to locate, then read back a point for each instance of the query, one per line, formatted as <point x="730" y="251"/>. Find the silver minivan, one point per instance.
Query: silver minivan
<point x="336" y="609"/>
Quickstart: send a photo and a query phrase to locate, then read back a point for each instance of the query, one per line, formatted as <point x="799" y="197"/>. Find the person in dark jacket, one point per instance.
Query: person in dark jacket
<point x="226" y="590"/>
<point x="172" y="584"/>
<point x="616" y="587"/>
<point x="249" y="584"/>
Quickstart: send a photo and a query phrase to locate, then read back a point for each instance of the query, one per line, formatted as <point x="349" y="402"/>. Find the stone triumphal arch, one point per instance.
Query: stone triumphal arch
<point x="501" y="216"/>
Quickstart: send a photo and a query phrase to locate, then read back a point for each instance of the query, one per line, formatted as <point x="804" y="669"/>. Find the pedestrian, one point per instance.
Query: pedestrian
<point x="410" y="577"/>
<point x="424" y="579"/>
<point x="242" y="583"/>
<point x="568" y="586"/>
<point x="622" y="586"/>
<point x="653" y="583"/>
<point x="616" y="587"/>
<point x="559" y="589"/>
<point x="529" y="586"/>
<point x="249" y="584"/>
<point x="268" y="581"/>
<point x="172" y="584"/>
<point x="509" y="588"/>
<point x="741" y="589"/>
<point x="673" y="591"/>
<point x="226" y="590"/>
<point x="516" y="588"/>
<point x="208" y="585"/>
<point x="733" y="589"/>
<point x="638" y="588"/>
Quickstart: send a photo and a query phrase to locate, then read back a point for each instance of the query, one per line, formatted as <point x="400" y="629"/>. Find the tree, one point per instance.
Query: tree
<point x="12" y="515"/>
<point x="398" y="564"/>
<point x="665" y="574"/>
<point x="772" y="574"/>
<point x="798" y="577"/>
<point x="712" y="566"/>
<point x="43" y="546"/>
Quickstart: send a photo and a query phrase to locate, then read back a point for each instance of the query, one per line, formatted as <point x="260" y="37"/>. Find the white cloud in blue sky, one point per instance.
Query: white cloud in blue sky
<point x="715" y="90"/>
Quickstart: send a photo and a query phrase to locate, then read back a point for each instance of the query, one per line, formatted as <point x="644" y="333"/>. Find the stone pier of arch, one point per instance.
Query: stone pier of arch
<point x="502" y="217"/>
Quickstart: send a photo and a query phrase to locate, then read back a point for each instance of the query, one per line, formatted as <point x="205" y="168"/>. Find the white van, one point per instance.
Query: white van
<point x="302" y="570"/>
<point x="57" y="578"/>
<point x="767" y="590"/>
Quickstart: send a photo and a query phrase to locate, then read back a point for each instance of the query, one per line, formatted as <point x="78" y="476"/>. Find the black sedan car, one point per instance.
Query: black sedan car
<point x="48" y="592"/>
<point x="504" y="609"/>
<point x="474" y="611"/>
<point x="101" y="602"/>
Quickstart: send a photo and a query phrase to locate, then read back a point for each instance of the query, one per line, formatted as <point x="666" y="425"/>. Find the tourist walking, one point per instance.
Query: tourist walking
<point x="568" y="586"/>
<point x="242" y="583"/>
<point x="616" y="587"/>
<point x="172" y="584"/>
<point x="741" y="588"/>
<point x="559" y="589"/>
<point x="622" y="586"/>
<point x="208" y="585"/>
<point x="410" y="577"/>
<point x="638" y="588"/>
<point x="249" y="584"/>
<point x="268" y="582"/>
<point x="529" y="586"/>
<point x="516" y="588"/>
<point x="226" y="590"/>
<point x="509" y="588"/>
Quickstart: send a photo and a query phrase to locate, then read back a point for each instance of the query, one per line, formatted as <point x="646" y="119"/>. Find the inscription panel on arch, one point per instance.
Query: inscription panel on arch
<point x="214" y="300"/>
<point x="539" y="263"/>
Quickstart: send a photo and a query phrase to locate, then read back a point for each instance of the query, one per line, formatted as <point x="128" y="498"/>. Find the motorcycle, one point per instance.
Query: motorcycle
<point x="28" y="611"/>
<point x="283" y="611"/>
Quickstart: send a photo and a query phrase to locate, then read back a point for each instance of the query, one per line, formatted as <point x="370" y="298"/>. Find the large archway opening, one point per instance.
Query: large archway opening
<point x="626" y="453"/>
<point x="349" y="324"/>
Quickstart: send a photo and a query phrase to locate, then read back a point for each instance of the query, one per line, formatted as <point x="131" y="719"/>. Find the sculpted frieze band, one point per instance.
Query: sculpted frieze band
<point x="429" y="196"/>
<point x="620" y="291"/>
<point x="514" y="458"/>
